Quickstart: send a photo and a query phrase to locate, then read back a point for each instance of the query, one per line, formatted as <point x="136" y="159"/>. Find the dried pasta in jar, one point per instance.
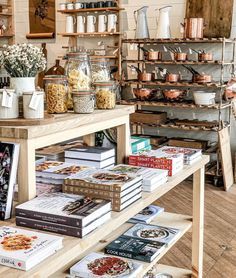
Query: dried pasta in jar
<point x="56" y="94"/>
<point x="105" y="96"/>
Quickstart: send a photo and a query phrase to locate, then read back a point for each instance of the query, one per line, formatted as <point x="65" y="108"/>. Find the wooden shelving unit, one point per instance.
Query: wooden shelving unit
<point x="96" y="10"/>
<point x="218" y="85"/>
<point x="96" y="34"/>
<point x="8" y="19"/>
<point x="74" y="249"/>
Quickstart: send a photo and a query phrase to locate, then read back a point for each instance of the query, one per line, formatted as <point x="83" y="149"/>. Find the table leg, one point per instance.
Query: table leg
<point x="198" y="223"/>
<point x="123" y="142"/>
<point x="89" y="139"/>
<point x="26" y="171"/>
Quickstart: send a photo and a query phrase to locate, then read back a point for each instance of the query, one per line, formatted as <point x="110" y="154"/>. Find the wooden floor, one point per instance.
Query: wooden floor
<point x="220" y="230"/>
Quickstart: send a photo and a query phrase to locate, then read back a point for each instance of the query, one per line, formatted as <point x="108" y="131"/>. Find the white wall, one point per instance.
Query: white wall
<point x="128" y="25"/>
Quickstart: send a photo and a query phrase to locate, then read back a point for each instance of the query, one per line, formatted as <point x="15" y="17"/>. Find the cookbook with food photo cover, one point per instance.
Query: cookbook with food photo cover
<point x="147" y="214"/>
<point x="152" y="233"/>
<point x="23" y="249"/>
<point x="62" y="208"/>
<point x="97" y="265"/>
<point x="9" y="156"/>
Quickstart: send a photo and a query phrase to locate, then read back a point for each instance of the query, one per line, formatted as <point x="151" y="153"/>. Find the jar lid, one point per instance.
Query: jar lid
<point x="83" y="93"/>
<point x="31" y="93"/>
<point x="55" y="77"/>
<point x="105" y="84"/>
<point x="76" y="54"/>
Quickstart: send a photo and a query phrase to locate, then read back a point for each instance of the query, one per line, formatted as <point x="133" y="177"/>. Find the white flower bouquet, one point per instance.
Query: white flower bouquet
<point x="22" y="60"/>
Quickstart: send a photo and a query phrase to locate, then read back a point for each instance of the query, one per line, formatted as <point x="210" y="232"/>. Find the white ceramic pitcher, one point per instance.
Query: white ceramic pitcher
<point x="163" y="23"/>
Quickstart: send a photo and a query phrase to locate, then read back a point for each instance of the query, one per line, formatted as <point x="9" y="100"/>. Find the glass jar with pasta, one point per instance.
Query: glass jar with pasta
<point x="56" y="89"/>
<point x="100" y="70"/>
<point x="105" y="95"/>
<point x="78" y="71"/>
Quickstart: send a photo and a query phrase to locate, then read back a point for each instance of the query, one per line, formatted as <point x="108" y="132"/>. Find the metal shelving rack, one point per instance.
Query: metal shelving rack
<point x="219" y="85"/>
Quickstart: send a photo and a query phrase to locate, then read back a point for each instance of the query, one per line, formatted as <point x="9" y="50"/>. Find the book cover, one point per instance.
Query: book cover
<point x="152" y="232"/>
<point x="90" y="153"/>
<point x="138" y="143"/>
<point x="23" y="249"/>
<point x="104" y="180"/>
<point x="127" y="203"/>
<point x="147" y="214"/>
<point x="45" y="165"/>
<point x="9" y="156"/>
<point x="150" y="176"/>
<point x="99" y="265"/>
<point x="148" y="148"/>
<point x="189" y="153"/>
<point x="91" y="163"/>
<point x="150" y="188"/>
<point x="134" y="248"/>
<point x="62" y="229"/>
<point x="66" y="209"/>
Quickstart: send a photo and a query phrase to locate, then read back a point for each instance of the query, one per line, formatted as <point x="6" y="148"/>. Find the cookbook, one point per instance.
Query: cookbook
<point x="147" y="214"/>
<point x="97" y="265"/>
<point x="23" y="249"/>
<point x="9" y="156"/>
<point x="152" y="232"/>
<point x="62" y="208"/>
<point x="133" y="248"/>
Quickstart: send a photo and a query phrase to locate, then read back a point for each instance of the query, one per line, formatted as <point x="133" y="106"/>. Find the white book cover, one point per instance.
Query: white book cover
<point x="97" y="265"/>
<point x="150" y="188"/>
<point x="90" y="153"/>
<point x="91" y="163"/>
<point x="152" y="232"/>
<point x="9" y="157"/>
<point x="23" y="249"/>
<point x="176" y="158"/>
<point x="147" y="214"/>
<point x="188" y="153"/>
<point x="150" y="176"/>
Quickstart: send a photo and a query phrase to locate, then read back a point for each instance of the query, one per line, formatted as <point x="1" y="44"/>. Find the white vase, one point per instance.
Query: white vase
<point x="22" y="84"/>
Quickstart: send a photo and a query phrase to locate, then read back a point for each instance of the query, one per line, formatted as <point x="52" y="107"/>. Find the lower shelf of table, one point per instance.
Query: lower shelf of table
<point x="181" y="222"/>
<point x="174" y="271"/>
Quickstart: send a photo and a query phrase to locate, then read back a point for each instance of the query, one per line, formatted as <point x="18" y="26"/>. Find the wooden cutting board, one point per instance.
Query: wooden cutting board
<point x="217" y="15"/>
<point x="226" y="158"/>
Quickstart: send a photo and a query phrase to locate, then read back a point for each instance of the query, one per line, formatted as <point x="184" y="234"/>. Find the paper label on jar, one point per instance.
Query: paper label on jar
<point x="34" y="101"/>
<point x="7" y="99"/>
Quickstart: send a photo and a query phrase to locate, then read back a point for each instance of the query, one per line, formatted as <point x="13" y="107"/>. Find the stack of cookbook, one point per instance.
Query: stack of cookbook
<point x="97" y="157"/>
<point x="139" y="144"/>
<point x="62" y="213"/>
<point x="142" y="242"/>
<point x="23" y="249"/>
<point x="121" y="189"/>
<point x="159" y="160"/>
<point x="190" y="155"/>
<point x="152" y="178"/>
<point x="54" y="172"/>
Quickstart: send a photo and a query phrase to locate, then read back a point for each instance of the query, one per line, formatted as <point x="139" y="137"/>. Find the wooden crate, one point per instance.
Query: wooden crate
<point x="148" y="117"/>
<point x="188" y="143"/>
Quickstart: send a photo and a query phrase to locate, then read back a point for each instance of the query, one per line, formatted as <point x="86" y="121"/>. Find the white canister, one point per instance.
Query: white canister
<point x="80" y="24"/>
<point x="70" y="24"/>
<point x="33" y="105"/>
<point x="111" y="25"/>
<point x="9" y="106"/>
<point x="62" y="6"/>
<point x="91" y="21"/>
<point x="70" y="6"/>
<point x="79" y="5"/>
<point x="102" y="23"/>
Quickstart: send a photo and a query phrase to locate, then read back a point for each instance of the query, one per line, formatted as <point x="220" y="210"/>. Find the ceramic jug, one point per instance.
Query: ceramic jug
<point x="80" y="24"/>
<point x="163" y="23"/>
<point x="140" y="16"/>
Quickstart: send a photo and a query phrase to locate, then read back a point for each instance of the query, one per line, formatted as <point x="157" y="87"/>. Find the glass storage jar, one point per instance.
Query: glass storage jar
<point x="100" y="70"/>
<point x="83" y="102"/>
<point x="105" y="95"/>
<point x="56" y="88"/>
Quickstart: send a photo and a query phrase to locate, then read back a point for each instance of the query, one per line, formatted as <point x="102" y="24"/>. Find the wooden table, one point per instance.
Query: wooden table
<point x="64" y="127"/>
<point x="74" y="249"/>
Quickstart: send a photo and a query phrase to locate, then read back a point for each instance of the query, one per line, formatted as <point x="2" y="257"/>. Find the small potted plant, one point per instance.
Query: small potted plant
<point x="22" y="62"/>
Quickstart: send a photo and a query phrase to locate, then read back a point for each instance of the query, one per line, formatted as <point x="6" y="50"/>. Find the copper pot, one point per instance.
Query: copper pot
<point x="146" y="76"/>
<point x="179" y="56"/>
<point x="172" y="77"/>
<point x="173" y="94"/>
<point x="202" y="78"/>
<point x="153" y="55"/>
<point x="205" y="57"/>
<point x="193" y="28"/>
<point x="144" y="93"/>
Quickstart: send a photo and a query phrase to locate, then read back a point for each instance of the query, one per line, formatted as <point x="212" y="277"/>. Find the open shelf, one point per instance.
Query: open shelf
<point x="174" y="271"/>
<point x="95" y="34"/>
<point x="171" y="124"/>
<point x="172" y="62"/>
<point x="171" y="220"/>
<point x="7" y="36"/>
<point x="173" y="84"/>
<point x="5" y="14"/>
<point x="178" y="40"/>
<point x="73" y="247"/>
<point x="182" y="105"/>
<point x="105" y="9"/>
